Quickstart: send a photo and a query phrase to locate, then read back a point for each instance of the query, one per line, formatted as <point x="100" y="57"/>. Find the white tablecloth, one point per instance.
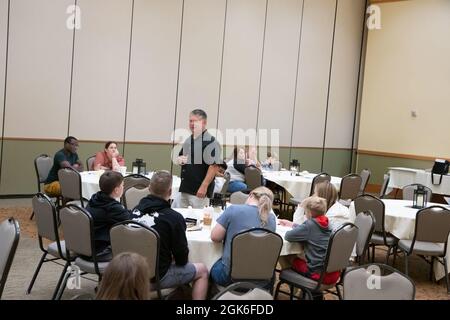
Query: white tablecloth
<point x="400" y="177"/>
<point x="203" y="249"/>
<point x="400" y="220"/>
<point x="90" y="179"/>
<point x="298" y="186"/>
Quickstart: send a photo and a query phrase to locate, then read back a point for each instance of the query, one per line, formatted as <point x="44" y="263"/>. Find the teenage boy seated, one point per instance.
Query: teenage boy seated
<point x="174" y="267"/>
<point x="106" y="211"/>
<point x="314" y="234"/>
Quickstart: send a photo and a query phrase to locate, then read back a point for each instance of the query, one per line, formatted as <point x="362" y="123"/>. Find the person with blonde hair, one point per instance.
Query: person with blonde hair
<point x="337" y="213"/>
<point x="127" y="277"/>
<point x="314" y="234"/>
<point x="255" y="213"/>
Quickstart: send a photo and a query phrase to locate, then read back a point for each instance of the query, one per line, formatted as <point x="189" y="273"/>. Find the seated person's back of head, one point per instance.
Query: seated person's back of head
<point x="127" y="277"/>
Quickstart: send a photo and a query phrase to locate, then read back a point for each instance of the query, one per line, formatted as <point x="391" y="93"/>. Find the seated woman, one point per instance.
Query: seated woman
<point x="125" y="278"/>
<point x="252" y="157"/>
<point x="108" y="159"/>
<point x="270" y="161"/>
<point x="255" y="213"/>
<point x="236" y="169"/>
<point x="337" y="213"/>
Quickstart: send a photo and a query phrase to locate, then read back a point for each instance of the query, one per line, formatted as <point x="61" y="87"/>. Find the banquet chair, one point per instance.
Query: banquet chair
<point x="47" y="228"/>
<point x="254" y="256"/>
<point x="365" y="176"/>
<point x="380" y="236"/>
<point x="135" y="180"/>
<point x="321" y="177"/>
<point x="42" y="166"/>
<point x="350" y="187"/>
<point x="9" y="239"/>
<point x="253" y="178"/>
<point x="70" y="181"/>
<point x="132" y="236"/>
<point x="408" y="192"/>
<point x="339" y="249"/>
<point x="90" y="163"/>
<point x="384" y="186"/>
<point x="133" y="195"/>
<point x="386" y="283"/>
<point x="78" y="228"/>
<point x="243" y="291"/>
<point x="430" y="239"/>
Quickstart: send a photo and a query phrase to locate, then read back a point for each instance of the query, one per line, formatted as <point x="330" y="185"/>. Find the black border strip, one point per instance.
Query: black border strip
<point x="128" y="78"/>
<point x="5" y="87"/>
<point x="329" y="86"/>
<point x="360" y="74"/>
<point x="296" y="79"/>
<point x="178" y="80"/>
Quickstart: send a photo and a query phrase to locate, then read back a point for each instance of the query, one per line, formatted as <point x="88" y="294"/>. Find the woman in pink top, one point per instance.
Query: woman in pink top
<point x="109" y="159"/>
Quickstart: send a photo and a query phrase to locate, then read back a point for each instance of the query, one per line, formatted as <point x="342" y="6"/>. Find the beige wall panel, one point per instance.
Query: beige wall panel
<point x="201" y="55"/>
<point x="407" y="69"/>
<point x="344" y="77"/>
<point x="39" y="62"/>
<point x="242" y="64"/>
<point x="153" y="72"/>
<point x="280" y="68"/>
<point x="312" y="87"/>
<point x="3" y="36"/>
<point x="101" y="69"/>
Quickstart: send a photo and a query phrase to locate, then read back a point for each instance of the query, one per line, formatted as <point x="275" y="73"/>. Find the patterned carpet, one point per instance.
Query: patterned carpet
<point x="28" y="254"/>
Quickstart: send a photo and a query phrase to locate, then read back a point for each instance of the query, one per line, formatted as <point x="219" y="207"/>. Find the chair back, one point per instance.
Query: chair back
<point x="131" y="236"/>
<point x="253" y="177"/>
<point x="321" y="177"/>
<point x="70" y="181"/>
<point x="340" y="247"/>
<point x="133" y="195"/>
<point x="370" y="203"/>
<point x="365" y="176"/>
<point x="254" y="254"/>
<point x="90" y="163"/>
<point x="408" y="192"/>
<point x="238" y="197"/>
<point x="77" y="226"/>
<point x="243" y="291"/>
<point x="365" y="221"/>
<point x="432" y="224"/>
<point x="135" y="180"/>
<point x="46" y="218"/>
<point x="9" y="239"/>
<point x="386" y="283"/>
<point x="227" y="177"/>
<point x="350" y="186"/>
<point x="42" y="164"/>
<point x="386" y="178"/>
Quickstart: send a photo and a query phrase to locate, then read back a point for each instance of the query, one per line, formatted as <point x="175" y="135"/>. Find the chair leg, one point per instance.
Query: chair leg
<point x="277" y="290"/>
<point x="431" y="269"/>
<point x="395" y="256"/>
<point x="338" y="291"/>
<point x="406" y="263"/>
<point x="373" y="253"/>
<point x="446" y="274"/>
<point x="61" y="277"/>
<point x="36" y="272"/>
<point x="32" y="215"/>
<point x="291" y="292"/>
<point x="388" y="254"/>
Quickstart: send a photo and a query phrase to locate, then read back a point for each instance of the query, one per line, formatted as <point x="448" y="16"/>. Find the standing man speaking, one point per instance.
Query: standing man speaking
<point x="198" y="158"/>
